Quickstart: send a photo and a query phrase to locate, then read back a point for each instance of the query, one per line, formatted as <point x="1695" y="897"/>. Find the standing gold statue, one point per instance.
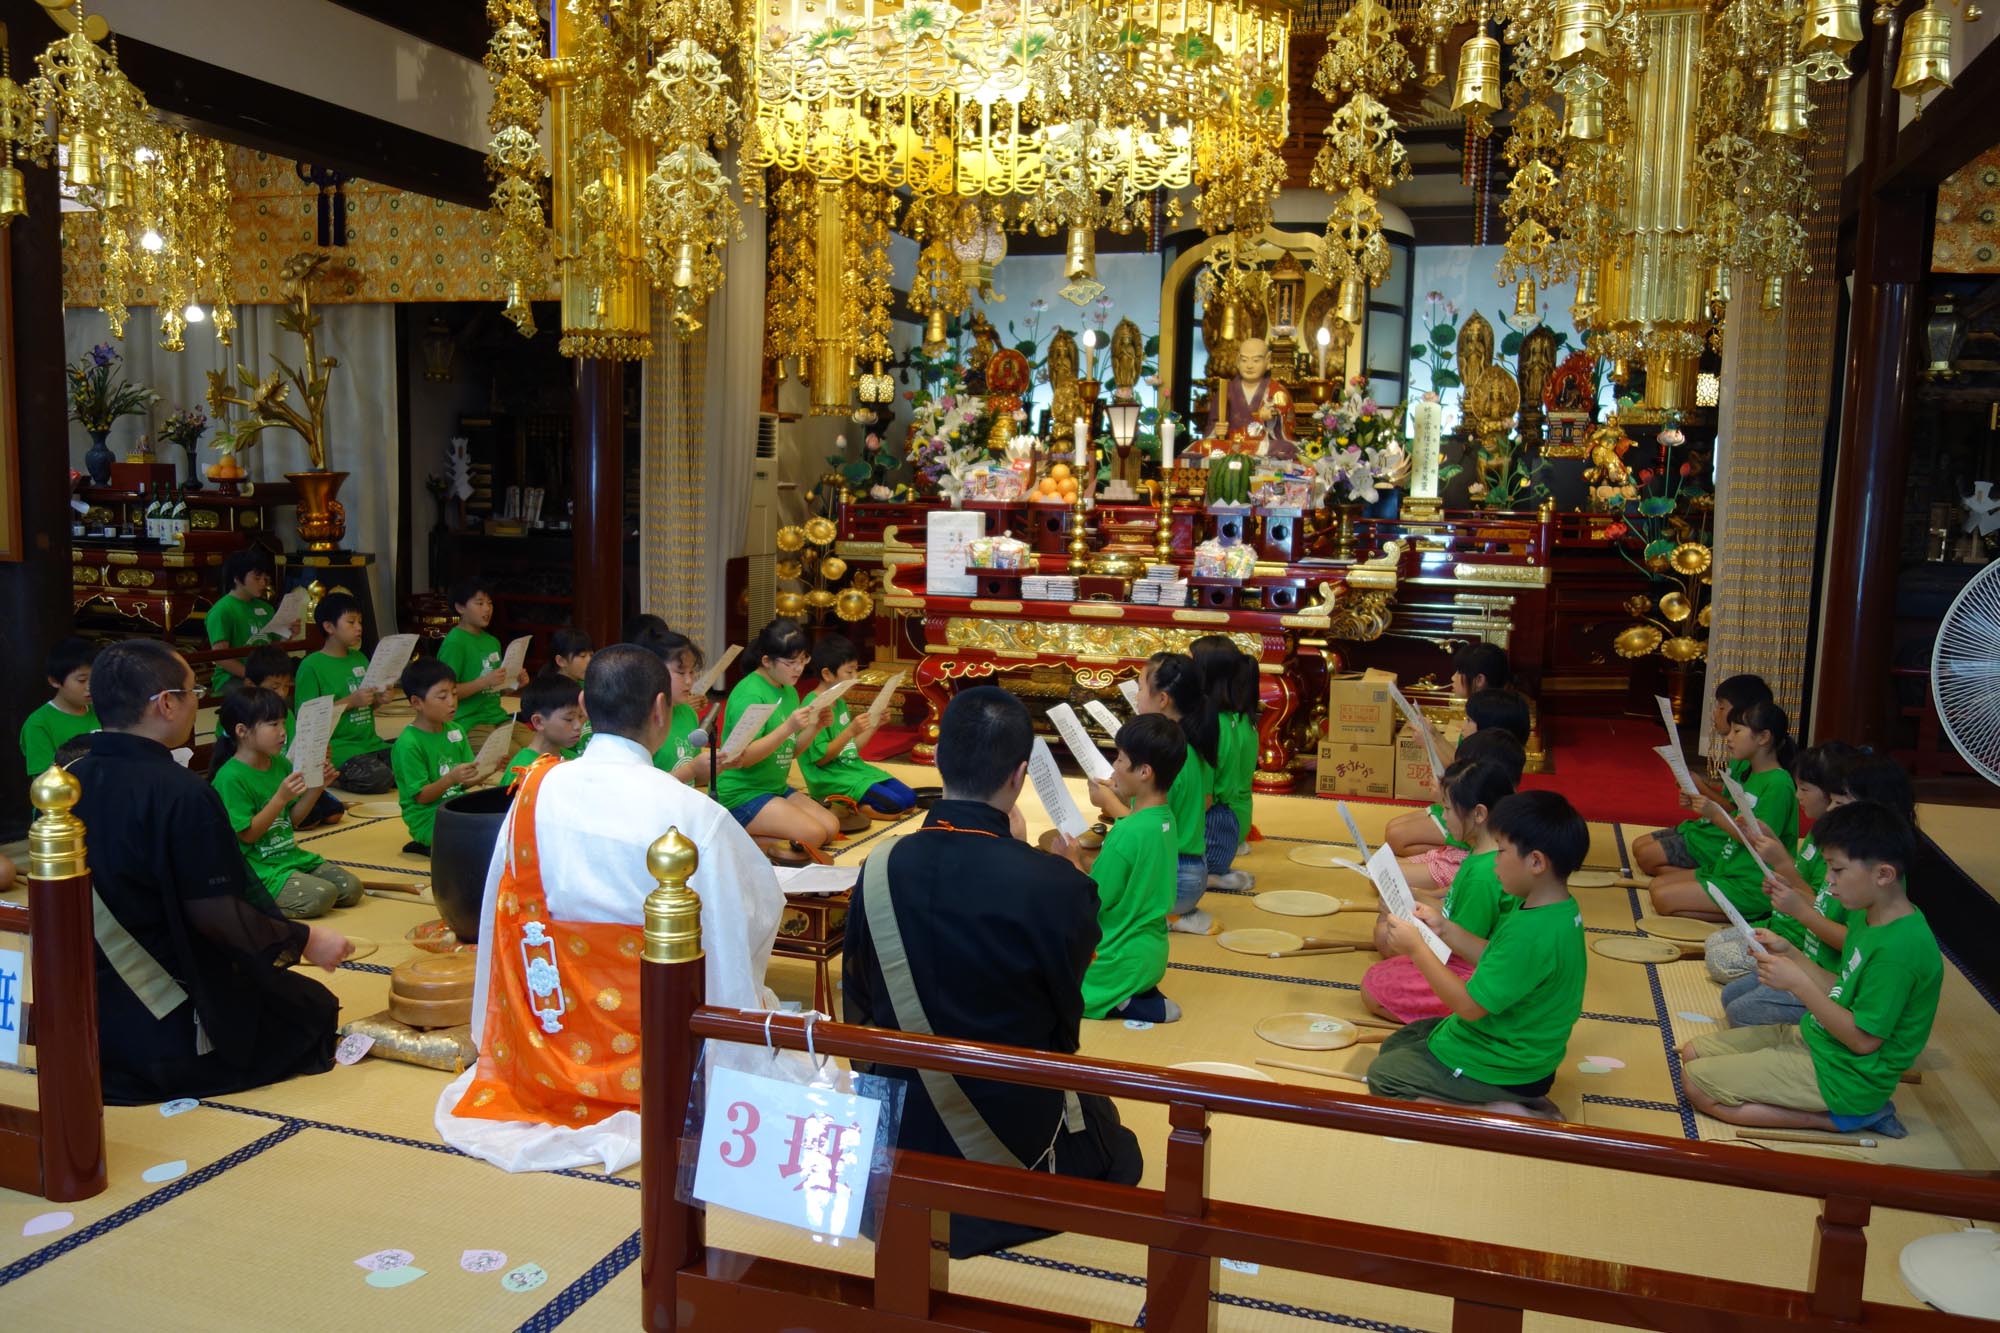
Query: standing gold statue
<point x="1128" y="356"/>
<point x="1492" y="396"/>
<point x="1066" y="403"/>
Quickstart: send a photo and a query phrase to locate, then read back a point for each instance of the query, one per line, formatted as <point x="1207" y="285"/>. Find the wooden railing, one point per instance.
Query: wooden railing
<point x="56" y="1149"/>
<point x="1186" y="1231"/>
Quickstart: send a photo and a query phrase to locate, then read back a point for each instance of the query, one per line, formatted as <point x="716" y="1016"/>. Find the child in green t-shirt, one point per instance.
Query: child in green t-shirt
<point x="550" y="706"/>
<point x="264" y="798"/>
<point x="337" y="669"/>
<point x="678" y="755"/>
<point x="1229" y="680"/>
<point x="1473" y="907"/>
<point x="272" y="668"/>
<point x="569" y="657"/>
<point x="757" y="788"/>
<point x="1136" y="871"/>
<point x="239" y="616"/>
<point x="1760" y="738"/>
<point x="1510" y="1021"/>
<point x="474" y="658"/>
<point x="1663" y="849"/>
<point x="1866" y="1021"/>
<point x="833" y="767"/>
<point x="68" y="713"/>
<point x="1476" y="669"/>
<point x="431" y="758"/>
<point x="1431" y="869"/>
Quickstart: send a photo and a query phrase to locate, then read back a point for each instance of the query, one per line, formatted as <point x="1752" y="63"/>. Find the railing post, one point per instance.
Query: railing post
<point x="1178" y="1283"/>
<point x="672" y="985"/>
<point x="1473" y="1317"/>
<point x="1840" y="1258"/>
<point x="912" y="1258"/>
<point x="71" y="1094"/>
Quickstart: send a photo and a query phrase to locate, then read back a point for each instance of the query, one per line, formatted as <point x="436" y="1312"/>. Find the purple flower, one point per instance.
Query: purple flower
<point x="102" y="355"/>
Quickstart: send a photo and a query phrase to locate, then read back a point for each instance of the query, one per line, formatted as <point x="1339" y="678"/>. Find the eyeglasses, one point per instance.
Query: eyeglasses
<point x="198" y="691"/>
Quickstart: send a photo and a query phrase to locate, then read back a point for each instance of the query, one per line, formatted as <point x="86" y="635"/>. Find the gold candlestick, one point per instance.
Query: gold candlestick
<point x="1079" y="546"/>
<point x="1163" y="544"/>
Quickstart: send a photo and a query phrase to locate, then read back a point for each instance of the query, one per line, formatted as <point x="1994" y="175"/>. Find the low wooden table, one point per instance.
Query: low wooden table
<point x="813" y="929"/>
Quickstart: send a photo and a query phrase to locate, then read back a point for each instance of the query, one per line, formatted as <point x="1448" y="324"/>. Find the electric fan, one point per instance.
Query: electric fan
<point x="1965" y="672"/>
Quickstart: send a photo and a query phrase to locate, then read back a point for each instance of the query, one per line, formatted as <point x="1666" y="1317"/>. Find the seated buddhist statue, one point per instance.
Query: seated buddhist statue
<point x="1254" y="399"/>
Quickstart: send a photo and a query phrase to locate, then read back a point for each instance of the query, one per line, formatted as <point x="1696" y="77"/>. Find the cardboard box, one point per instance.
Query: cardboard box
<point x="1359" y="710"/>
<point x="1413" y="766"/>
<point x="1356" y="770"/>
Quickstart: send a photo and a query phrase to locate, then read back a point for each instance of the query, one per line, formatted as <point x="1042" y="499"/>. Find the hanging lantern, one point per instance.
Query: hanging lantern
<point x="13" y="194"/>
<point x="1788" y="103"/>
<point x="1080" y="267"/>
<point x="1924" y="67"/>
<point x="1478" y="74"/>
<point x="1579" y="30"/>
<point x="1831" y="25"/>
<point x="1353" y="300"/>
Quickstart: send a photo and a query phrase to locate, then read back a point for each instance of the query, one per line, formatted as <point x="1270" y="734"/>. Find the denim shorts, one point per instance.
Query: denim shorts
<point x="1673" y="845"/>
<point x="748" y="810"/>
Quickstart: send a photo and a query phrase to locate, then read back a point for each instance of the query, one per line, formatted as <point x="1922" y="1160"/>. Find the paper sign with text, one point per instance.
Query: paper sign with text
<point x="309" y="738"/>
<point x="1398" y="901"/>
<point x="385" y="668"/>
<point x="1667" y="718"/>
<point x="946" y="534"/>
<point x="1745" y="803"/>
<point x="497" y="750"/>
<point x="744" y="730"/>
<point x="284" y="621"/>
<point x="13" y="981"/>
<point x="1736" y="919"/>
<point x="829" y="696"/>
<point x="786" y="1152"/>
<point x="1103" y="716"/>
<point x="1052" y="791"/>
<point x="514" y="661"/>
<point x="1353" y="829"/>
<point x="1070" y="727"/>
<point x="706" y="680"/>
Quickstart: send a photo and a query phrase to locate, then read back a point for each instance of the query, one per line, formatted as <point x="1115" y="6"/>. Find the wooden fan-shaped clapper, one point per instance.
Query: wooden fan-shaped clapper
<point x="56" y="1149"/>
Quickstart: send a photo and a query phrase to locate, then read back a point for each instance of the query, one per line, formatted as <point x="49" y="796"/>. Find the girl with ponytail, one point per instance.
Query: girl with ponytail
<point x="1229" y="678"/>
<point x="1761" y="751"/>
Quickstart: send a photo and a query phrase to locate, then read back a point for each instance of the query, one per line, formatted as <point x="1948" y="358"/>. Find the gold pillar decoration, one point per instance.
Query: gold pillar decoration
<point x="793" y="273"/>
<point x="17" y="111"/>
<point x="871" y="213"/>
<point x="55" y="839"/>
<point x="833" y="339"/>
<point x="673" y="910"/>
<point x="1363" y="64"/>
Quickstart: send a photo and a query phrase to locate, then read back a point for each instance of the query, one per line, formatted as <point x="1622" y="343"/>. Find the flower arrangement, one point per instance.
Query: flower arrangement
<point x="1669" y="525"/>
<point x="1359" y="453"/>
<point x="184" y="426"/>
<point x="867" y="477"/>
<point x="99" y="394"/>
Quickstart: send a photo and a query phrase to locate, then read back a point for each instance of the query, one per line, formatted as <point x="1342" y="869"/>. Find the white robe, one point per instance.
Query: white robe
<point x="595" y="818"/>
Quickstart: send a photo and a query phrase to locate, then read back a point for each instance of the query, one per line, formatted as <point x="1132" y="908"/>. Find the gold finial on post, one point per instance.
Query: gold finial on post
<point x="1163" y="536"/>
<point x="55" y="839"/>
<point x="673" y="911"/>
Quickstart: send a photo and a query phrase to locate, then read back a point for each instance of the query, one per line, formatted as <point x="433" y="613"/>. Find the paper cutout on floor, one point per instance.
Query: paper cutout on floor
<point x="1609" y="1061"/>
<point x="818" y="879"/>
<point x="1240" y="1266"/>
<point x="165" y="1171"/>
<point x="385" y="1259"/>
<point x="482" y="1261"/>
<point x="1689" y="1016"/>
<point x="352" y="1047"/>
<point x="43" y="1223"/>
<point x="524" y="1278"/>
<point x="1326" y="1025"/>
<point x="1137" y="1024"/>
<point x="1592" y="1067"/>
<point x="394" y="1277"/>
<point x="177" y="1106"/>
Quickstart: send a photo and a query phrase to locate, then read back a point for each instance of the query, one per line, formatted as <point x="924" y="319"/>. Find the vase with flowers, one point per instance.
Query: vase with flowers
<point x="185" y="426"/>
<point x="1358" y="457"/>
<point x="99" y="394"/>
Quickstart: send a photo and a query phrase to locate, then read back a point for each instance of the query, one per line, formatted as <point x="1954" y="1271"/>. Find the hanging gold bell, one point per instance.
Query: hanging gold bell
<point x="13" y="195"/>
<point x="117" y="185"/>
<point x="1353" y="300"/>
<point x="1774" y="292"/>
<point x="1230" y="312"/>
<point x="934" y="333"/>
<point x="684" y="266"/>
<point x="1583" y="114"/>
<point x="1478" y="74"/>
<point x="1924" y="67"/>
<point x="1718" y="285"/>
<point x="1579" y="29"/>
<point x="82" y="166"/>
<point x="1831" y="25"/>
<point x="1788" y="103"/>
<point x="1583" y="306"/>
<point x="1082" y="258"/>
<point x="1621" y="370"/>
<point x="1433" y="71"/>
<point x="1526" y="303"/>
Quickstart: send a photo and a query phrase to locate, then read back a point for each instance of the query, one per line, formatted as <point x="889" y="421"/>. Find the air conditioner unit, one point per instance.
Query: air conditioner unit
<point x="760" y="536"/>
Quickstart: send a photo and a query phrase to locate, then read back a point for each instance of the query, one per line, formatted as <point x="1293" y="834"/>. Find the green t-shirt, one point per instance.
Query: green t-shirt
<point x="1813" y="867"/>
<point x="1134" y="871"/>
<point x="1889" y="979"/>
<point x="238" y="622"/>
<point x="1236" y="767"/>
<point x="244" y="790"/>
<point x="675" y="750"/>
<point x="419" y="758"/>
<point x="1188" y="799"/>
<point x="1818" y="950"/>
<point x="1530" y="982"/>
<point x="1437" y="817"/>
<point x="48" y="729"/>
<point x="734" y="786"/>
<point x="1476" y="903"/>
<point x="1733" y="869"/>
<point x="582" y="739"/>
<point x="471" y="654"/>
<point x="517" y="767"/>
<point x="321" y="674"/>
<point x="1704" y="840"/>
<point x="844" y="775"/>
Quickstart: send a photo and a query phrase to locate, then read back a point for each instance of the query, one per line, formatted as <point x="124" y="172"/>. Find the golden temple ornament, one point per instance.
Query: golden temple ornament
<point x="1923" y="68"/>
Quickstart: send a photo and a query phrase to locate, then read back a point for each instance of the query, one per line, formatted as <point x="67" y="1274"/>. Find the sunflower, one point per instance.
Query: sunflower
<point x="820" y="531"/>
<point x="1682" y="649"/>
<point x="1638" y="604"/>
<point x="1636" y="641"/>
<point x="790" y="605"/>
<point x="853" y="604"/>
<point x="819" y="599"/>
<point x="832" y="567"/>
<point x="1702" y="619"/>
<point x="1690" y="558"/>
<point x="1675" y="607"/>
<point x="787" y="569"/>
<point x="791" y="537"/>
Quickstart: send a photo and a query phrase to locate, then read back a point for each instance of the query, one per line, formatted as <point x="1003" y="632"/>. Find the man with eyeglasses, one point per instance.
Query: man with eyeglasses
<point x="194" y="995"/>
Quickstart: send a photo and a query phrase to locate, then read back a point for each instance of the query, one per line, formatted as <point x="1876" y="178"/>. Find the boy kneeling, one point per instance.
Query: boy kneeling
<point x="1135" y="875"/>
<point x="1509" y="1025"/>
<point x="1863" y="1026"/>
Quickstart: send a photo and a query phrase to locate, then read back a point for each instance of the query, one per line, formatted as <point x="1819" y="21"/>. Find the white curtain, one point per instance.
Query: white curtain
<point x="360" y="409"/>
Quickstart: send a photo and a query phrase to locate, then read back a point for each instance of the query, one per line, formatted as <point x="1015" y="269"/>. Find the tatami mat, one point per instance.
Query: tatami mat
<point x="287" y="1186"/>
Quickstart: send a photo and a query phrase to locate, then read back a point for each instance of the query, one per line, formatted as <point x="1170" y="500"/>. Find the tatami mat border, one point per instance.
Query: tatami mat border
<point x="571" y="1298"/>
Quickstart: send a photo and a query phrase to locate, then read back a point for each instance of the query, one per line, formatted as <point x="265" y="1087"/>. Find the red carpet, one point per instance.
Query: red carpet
<point x="1607" y="769"/>
<point x="893" y="742"/>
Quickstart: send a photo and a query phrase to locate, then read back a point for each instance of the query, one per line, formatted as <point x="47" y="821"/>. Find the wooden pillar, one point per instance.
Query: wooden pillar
<point x="672" y="985"/>
<point x="1865" y="522"/>
<point x="35" y="590"/>
<point x="598" y="443"/>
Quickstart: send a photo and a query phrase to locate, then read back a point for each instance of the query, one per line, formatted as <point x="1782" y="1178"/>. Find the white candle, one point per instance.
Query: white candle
<point x="1167" y="443"/>
<point x="1082" y="442"/>
<point x="1323" y="338"/>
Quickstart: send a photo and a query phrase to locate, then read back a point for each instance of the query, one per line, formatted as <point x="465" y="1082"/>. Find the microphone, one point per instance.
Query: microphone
<point x="697" y="739"/>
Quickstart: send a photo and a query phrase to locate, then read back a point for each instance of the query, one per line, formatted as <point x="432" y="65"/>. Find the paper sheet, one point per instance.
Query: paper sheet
<point x="1053" y="792"/>
<point x="1130" y="689"/>
<point x="1679" y="764"/>
<point x="817" y="879"/>
<point x="1070" y="727"/>
<point x="309" y="737"/>
<point x="385" y="668"/>
<point x="284" y="622"/>
<point x="1736" y="920"/>
<point x="946" y="533"/>
<point x="1353" y="829"/>
<point x="827" y="697"/>
<point x="745" y="729"/>
<point x="706" y="680"/>
<point x="1667" y="719"/>
<point x="1414" y="716"/>
<point x="515" y="659"/>
<point x="1398" y="901"/>
<point x="1103" y="716"/>
<point x="1745" y="803"/>
<point x="1736" y="832"/>
<point x="879" y="709"/>
<point x="499" y="748"/>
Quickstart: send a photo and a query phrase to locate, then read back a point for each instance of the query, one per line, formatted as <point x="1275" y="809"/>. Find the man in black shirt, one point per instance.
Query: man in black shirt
<point x="963" y="930"/>
<point x="193" y="995"/>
